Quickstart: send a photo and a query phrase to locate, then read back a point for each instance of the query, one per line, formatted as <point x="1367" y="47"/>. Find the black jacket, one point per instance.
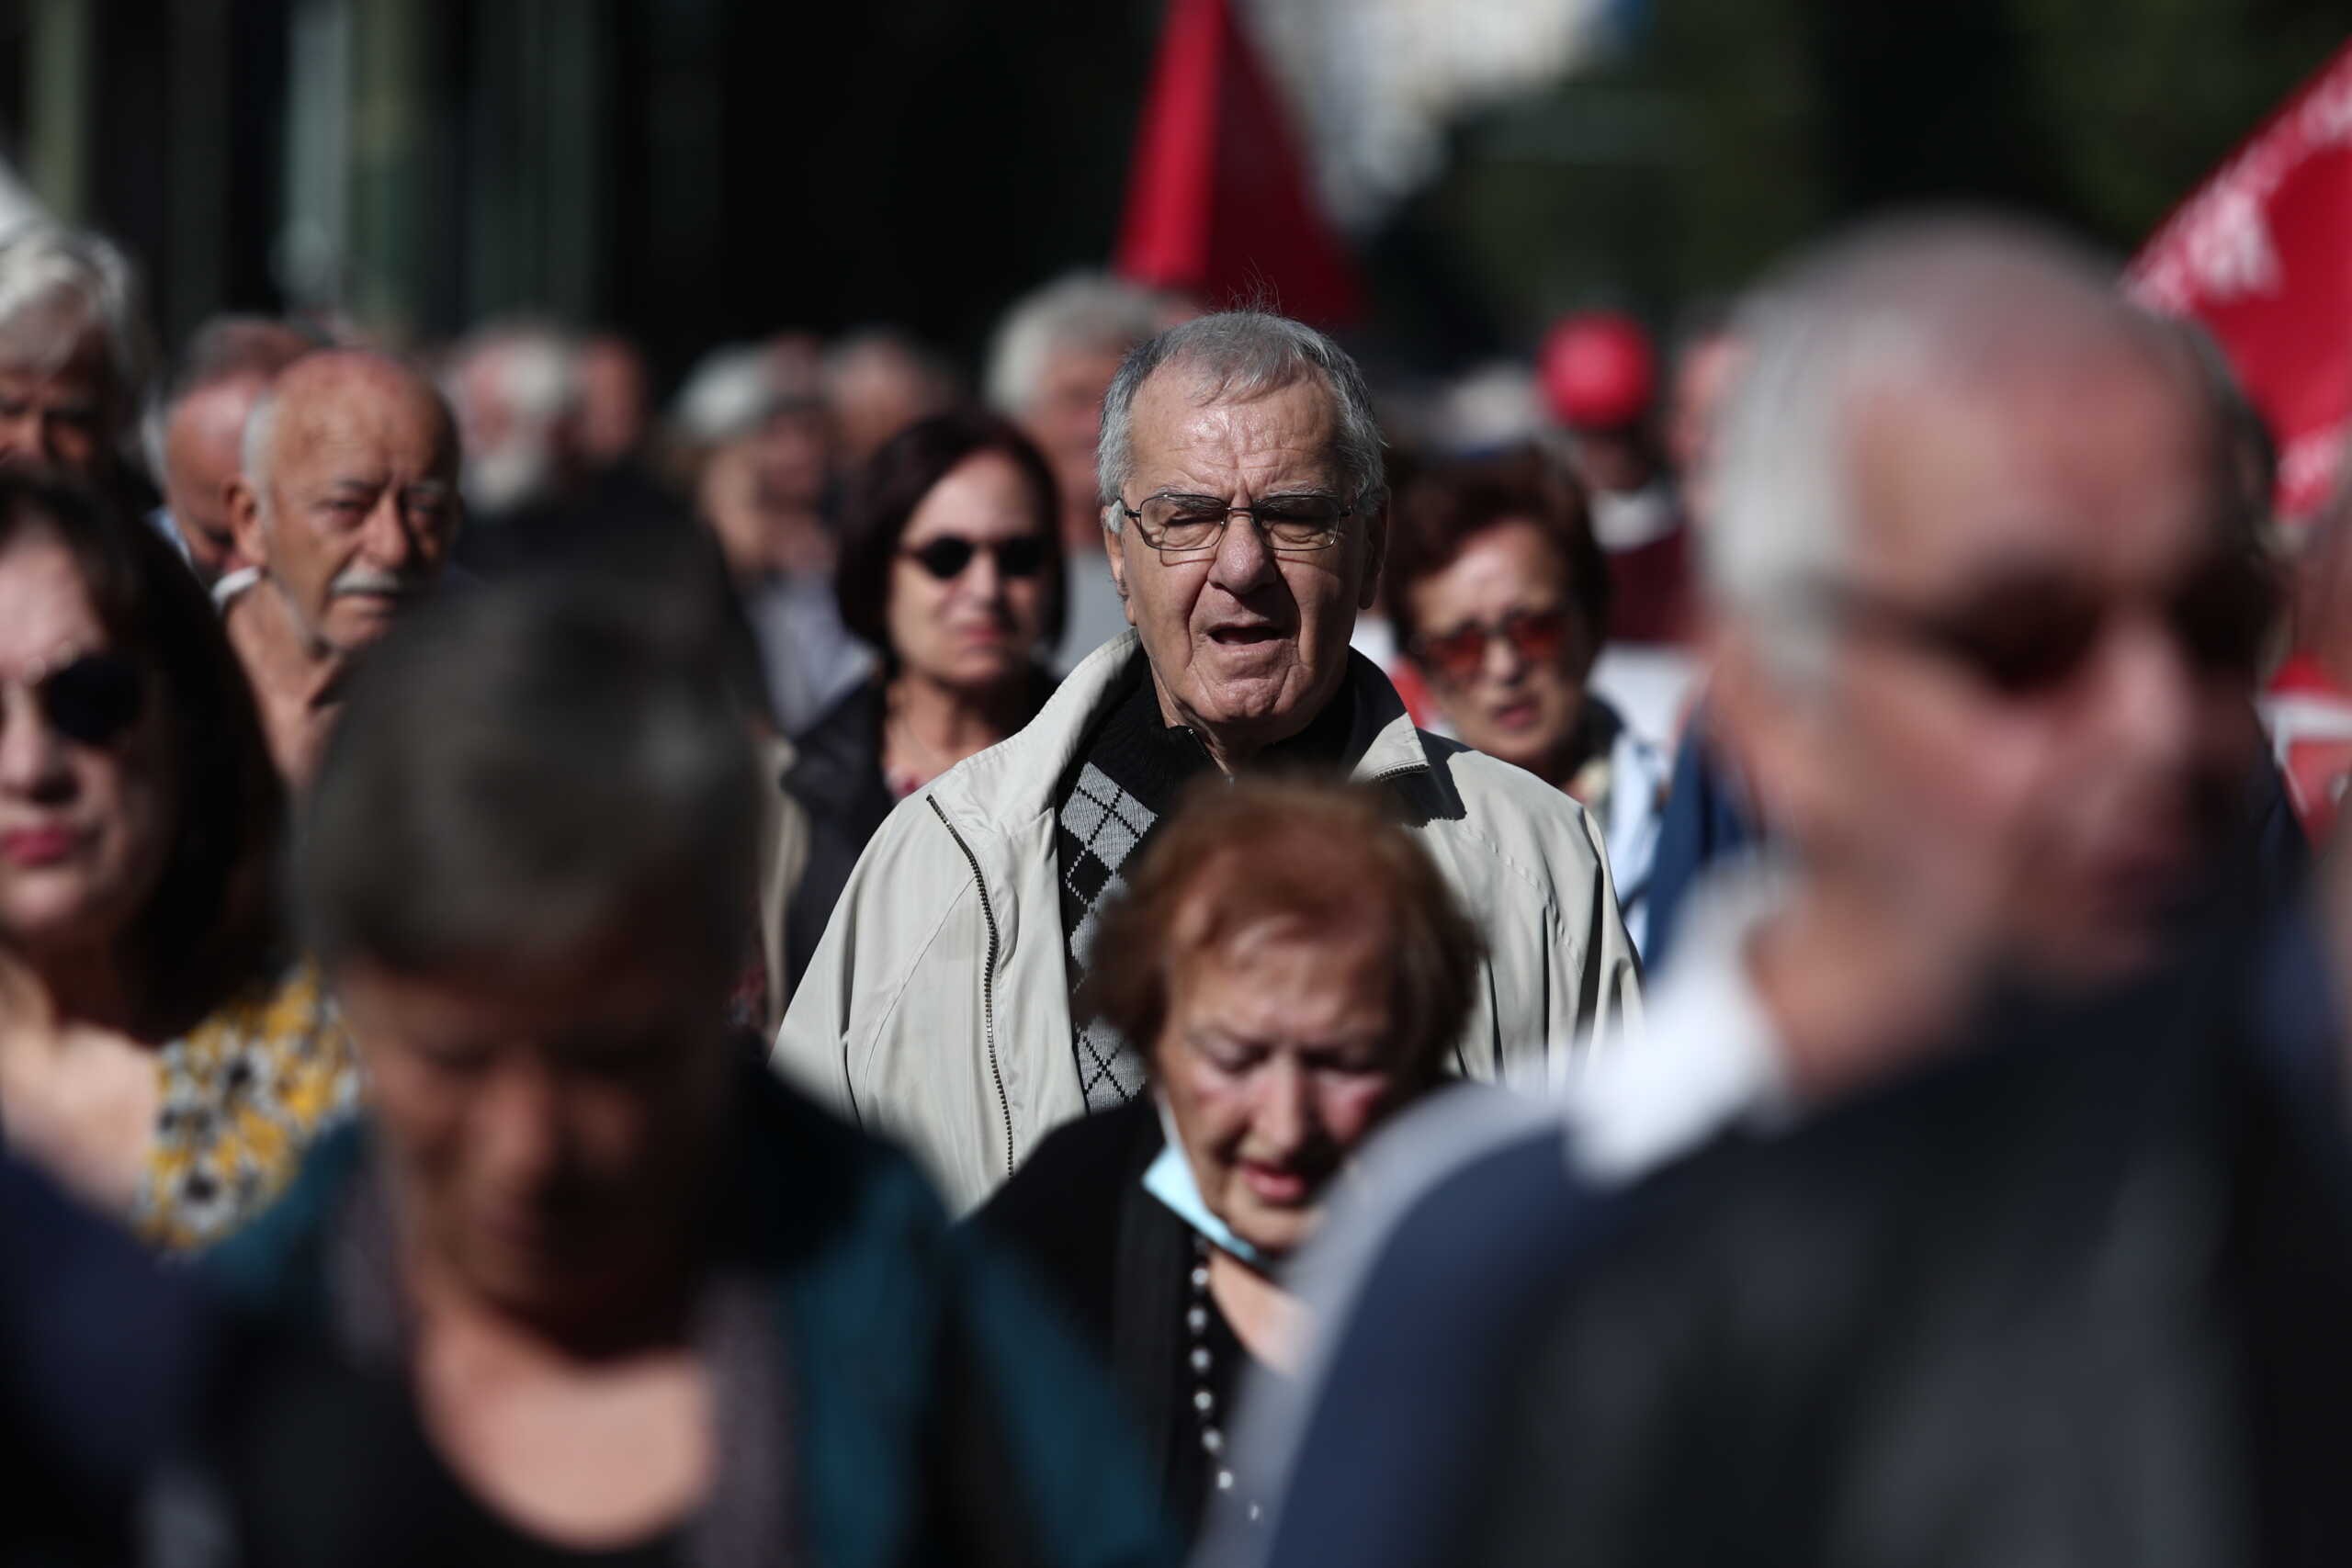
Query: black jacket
<point x="836" y="776"/>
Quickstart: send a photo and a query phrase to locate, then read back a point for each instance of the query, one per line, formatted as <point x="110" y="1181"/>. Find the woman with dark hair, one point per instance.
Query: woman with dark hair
<point x="154" y="1054"/>
<point x="1500" y="598"/>
<point x="951" y="570"/>
<point x="1299" y="969"/>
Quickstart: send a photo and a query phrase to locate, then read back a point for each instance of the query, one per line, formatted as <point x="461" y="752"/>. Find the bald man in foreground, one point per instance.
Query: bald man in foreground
<point x="347" y="497"/>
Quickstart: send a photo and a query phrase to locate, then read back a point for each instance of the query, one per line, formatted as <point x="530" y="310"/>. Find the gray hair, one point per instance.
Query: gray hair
<point x="1908" y="301"/>
<point x="225" y="349"/>
<point x="1085" y="310"/>
<point x="534" y="764"/>
<point x="1241" y="354"/>
<point x="44" y="268"/>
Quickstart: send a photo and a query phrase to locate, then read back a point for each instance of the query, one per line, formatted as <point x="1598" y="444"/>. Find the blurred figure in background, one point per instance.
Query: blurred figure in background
<point x="515" y="390"/>
<point x="195" y="432"/>
<point x="1600" y="373"/>
<point x="1247" y="475"/>
<point x="1052" y="358"/>
<point x="2309" y="701"/>
<point x="1706" y="356"/>
<point x="591" y="1285"/>
<point x="754" y="440"/>
<point x="156" y="1053"/>
<point x="878" y="382"/>
<point x="348" y="497"/>
<point x="614" y="415"/>
<point x="2004" y="744"/>
<point x="1500" y="598"/>
<point x="1297" y="970"/>
<point x="952" y="572"/>
<point x="75" y="359"/>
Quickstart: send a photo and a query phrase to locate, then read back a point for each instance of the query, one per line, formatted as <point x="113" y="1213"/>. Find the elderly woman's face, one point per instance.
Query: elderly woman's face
<point x="967" y="592"/>
<point x="1277" y="1058"/>
<point x="55" y="412"/>
<point x="1246" y="645"/>
<point x="546" y="1124"/>
<point x="1503" y="647"/>
<point x="85" y="802"/>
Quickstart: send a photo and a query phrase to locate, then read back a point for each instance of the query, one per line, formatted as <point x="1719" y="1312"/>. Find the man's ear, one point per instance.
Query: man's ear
<point x="1114" y="546"/>
<point x="1376" y="555"/>
<point x="244" y="521"/>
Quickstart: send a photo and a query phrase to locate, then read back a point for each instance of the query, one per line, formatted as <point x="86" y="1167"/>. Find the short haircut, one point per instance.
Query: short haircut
<point x="529" y="766"/>
<point x="209" y="926"/>
<point x="1915" y="300"/>
<point x="43" y="268"/>
<point x="902" y="471"/>
<point x="1088" y="312"/>
<point x="1322" y="855"/>
<point x="224" y="348"/>
<point x="1440" y="512"/>
<point x="1243" y="355"/>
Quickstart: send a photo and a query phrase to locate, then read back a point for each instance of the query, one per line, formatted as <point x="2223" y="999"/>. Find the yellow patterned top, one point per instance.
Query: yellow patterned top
<point x="244" y="1094"/>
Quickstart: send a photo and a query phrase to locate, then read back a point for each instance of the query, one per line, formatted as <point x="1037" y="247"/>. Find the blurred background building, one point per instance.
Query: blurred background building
<point x="697" y="170"/>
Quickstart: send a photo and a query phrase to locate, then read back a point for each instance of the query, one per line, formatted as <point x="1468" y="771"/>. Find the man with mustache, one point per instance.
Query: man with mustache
<point x="348" y="498"/>
<point x="1245" y="526"/>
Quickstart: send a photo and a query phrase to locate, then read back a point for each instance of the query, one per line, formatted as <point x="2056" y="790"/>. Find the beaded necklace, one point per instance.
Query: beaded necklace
<point x="1202" y="1362"/>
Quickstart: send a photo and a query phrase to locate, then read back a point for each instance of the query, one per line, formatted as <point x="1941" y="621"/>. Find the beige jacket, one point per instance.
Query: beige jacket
<point x="936" y="1007"/>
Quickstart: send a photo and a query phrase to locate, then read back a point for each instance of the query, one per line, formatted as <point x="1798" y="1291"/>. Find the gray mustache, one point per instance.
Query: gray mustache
<point x="377" y="584"/>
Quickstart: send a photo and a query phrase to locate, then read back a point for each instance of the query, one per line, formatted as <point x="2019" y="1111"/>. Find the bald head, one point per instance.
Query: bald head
<point x="347" y="496"/>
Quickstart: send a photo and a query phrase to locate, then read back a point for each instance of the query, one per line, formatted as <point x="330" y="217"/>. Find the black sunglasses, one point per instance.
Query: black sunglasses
<point x="93" y="699"/>
<point x="946" y="556"/>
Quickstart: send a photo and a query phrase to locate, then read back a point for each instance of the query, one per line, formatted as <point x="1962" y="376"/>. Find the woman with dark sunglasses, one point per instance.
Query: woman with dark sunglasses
<point x="1500" y="598"/>
<point x="952" y="571"/>
<point x="155" y="1053"/>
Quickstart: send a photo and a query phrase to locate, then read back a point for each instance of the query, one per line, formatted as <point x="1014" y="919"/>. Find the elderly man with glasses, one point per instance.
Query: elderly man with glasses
<point x="1245" y="526"/>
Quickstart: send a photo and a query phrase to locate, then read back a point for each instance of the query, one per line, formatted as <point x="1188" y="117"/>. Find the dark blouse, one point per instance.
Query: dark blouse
<point x="1120" y="1262"/>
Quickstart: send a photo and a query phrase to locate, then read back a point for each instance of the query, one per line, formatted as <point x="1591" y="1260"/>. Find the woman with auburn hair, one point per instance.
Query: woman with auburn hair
<point x="1299" y="970"/>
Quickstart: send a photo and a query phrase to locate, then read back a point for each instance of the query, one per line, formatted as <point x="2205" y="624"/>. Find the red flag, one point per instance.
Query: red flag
<point x="2262" y="255"/>
<point x="1219" y="205"/>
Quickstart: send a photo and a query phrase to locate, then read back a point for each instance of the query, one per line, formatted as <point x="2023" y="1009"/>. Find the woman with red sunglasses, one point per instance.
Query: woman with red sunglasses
<point x="1500" y="598"/>
<point x="952" y="572"/>
<point x="156" y="1055"/>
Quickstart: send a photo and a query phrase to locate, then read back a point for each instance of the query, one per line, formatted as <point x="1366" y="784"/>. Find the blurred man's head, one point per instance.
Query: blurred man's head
<point x="195" y="435"/>
<point x="348" y="494"/>
<point x="1054" y="357"/>
<point x="878" y="383"/>
<point x="74" y="353"/>
<point x="516" y="389"/>
<point x="526" y="867"/>
<point x="1707" y="353"/>
<point x="615" y="401"/>
<point x="1988" y="598"/>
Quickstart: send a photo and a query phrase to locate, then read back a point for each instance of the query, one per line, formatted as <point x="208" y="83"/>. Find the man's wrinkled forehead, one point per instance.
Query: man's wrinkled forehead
<point x="1190" y="426"/>
<point x="2100" y="458"/>
<point x="366" y="425"/>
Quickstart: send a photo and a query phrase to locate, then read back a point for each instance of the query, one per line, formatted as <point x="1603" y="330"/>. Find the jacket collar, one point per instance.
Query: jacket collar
<point x="1015" y="781"/>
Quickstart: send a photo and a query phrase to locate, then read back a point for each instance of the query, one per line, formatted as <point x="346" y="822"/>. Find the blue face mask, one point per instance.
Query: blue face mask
<point x="1170" y="1179"/>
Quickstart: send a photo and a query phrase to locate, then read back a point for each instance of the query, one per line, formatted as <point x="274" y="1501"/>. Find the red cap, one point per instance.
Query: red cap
<point x="1597" y="370"/>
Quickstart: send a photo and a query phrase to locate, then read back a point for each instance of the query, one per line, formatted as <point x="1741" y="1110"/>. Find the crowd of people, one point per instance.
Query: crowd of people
<point x="1177" y="956"/>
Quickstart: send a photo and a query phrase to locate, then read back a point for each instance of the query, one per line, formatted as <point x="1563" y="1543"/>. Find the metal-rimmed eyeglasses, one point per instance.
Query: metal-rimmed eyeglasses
<point x="1296" y="524"/>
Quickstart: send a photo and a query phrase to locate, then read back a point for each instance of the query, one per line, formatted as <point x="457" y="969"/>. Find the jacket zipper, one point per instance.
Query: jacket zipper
<point x="987" y="979"/>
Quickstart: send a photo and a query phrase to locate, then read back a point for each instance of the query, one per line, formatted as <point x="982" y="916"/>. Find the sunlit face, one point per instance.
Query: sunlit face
<point x="1276" y="1060"/>
<point x="545" y="1128"/>
<point x="1246" y="646"/>
<point x="201" y="449"/>
<point x="59" y="418"/>
<point x="85" y="828"/>
<point x="362" y="504"/>
<point x="980" y="628"/>
<point x="2056" y="828"/>
<point x="1524" y="710"/>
